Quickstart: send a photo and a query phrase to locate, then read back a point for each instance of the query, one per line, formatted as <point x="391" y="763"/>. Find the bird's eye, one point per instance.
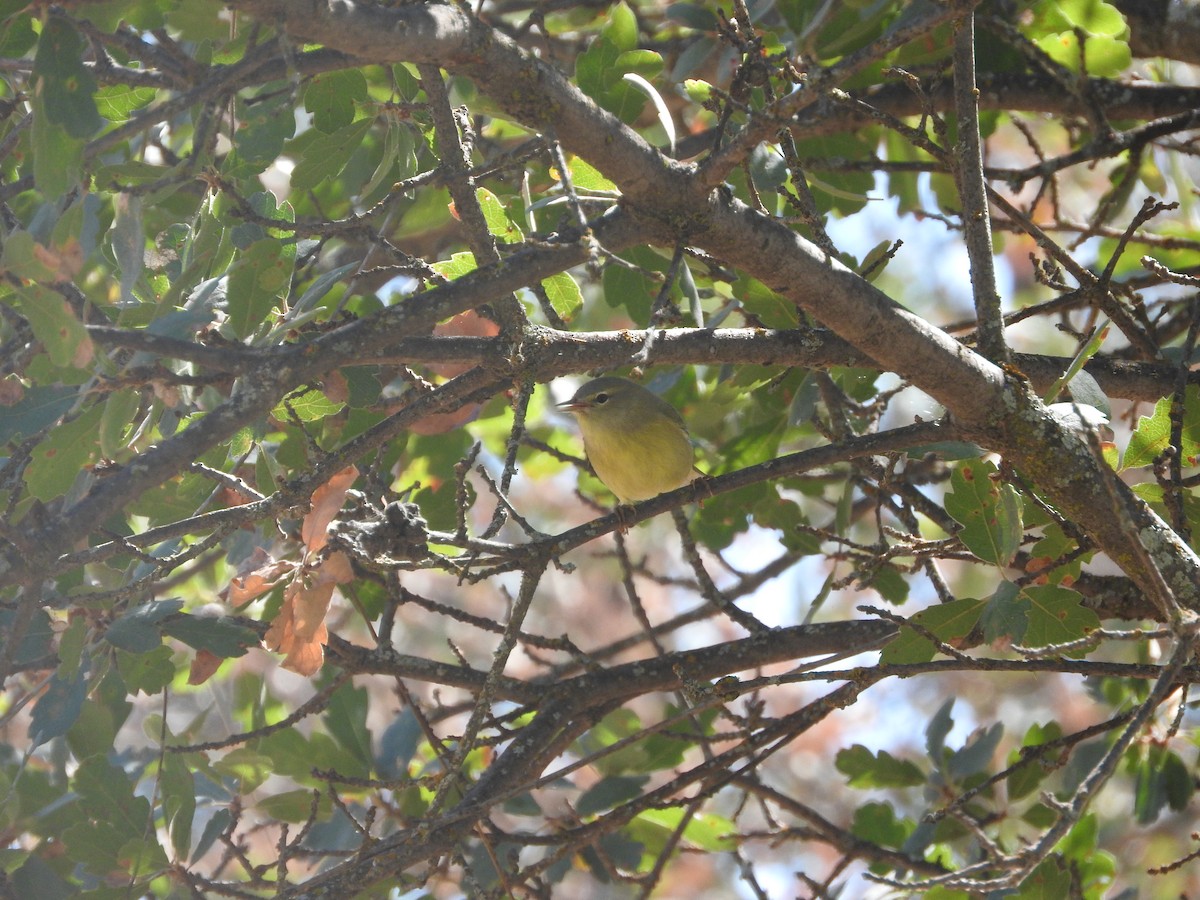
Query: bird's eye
<point x="602" y="398"/>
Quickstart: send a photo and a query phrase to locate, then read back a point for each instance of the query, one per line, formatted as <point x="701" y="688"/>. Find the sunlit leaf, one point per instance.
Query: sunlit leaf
<point x="865" y="769"/>
<point x="945" y="621"/>
<point x="988" y="510"/>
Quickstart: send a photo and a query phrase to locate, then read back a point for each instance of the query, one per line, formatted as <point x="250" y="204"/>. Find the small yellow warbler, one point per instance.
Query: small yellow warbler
<point x="635" y="440"/>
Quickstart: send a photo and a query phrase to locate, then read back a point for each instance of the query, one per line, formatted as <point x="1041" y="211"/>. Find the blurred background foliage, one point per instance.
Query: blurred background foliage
<point x="189" y="198"/>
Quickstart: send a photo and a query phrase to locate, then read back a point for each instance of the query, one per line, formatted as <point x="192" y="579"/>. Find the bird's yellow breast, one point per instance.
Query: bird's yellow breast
<point x="641" y="460"/>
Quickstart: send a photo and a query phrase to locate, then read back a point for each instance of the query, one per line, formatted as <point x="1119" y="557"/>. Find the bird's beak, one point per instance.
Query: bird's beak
<point x="571" y="405"/>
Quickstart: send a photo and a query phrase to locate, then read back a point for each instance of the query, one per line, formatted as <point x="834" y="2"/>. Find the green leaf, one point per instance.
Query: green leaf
<point x="256" y="282"/>
<point x="864" y="769"/>
<point x="1049" y="881"/>
<point x="97" y="849"/>
<point x="66" y="86"/>
<point x="1006" y="615"/>
<point x="1084" y="388"/>
<point x="976" y="754"/>
<point x="1092" y="16"/>
<point x="629" y="289"/>
<point x="646" y="63"/>
<point x="295" y="806"/>
<point x="142" y="857"/>
<point x="25" y="258"/>
<point x="398" y="744"/>
<point x="1153" y="432"/>
<point x="221" y="820"/>
<point x="653" y="753"/>
<point x="622" y="27"/>
<point x="331" y="98"/>
<point x="57" y="461"/>
<point x="946" y="621"/>
<point x="222" y="636"/>
<point x="149" y="672"/>
<point x="768" y="167"/>
<point x="328" y="154"/>
<point x="288" y="752"/>
<point x="118" y="102"/>
<point x="173" y="500"/>
<point x="876" y="260"/>
<point x="346" y="718"/>
<point x="600" y="70"/>
<point x="117" y="421"/>
<point x="248" y="768"/>
<point x="586" y="177"/>
<point x="38" y="640"/>
<point x="697" y="91"/>
<point x="138" y="630"/>
<point x="263" y="126"/>
<point x="637" y="756"/>
<point x="988" y="510"/>
<point x="71" y="645"/>
<point x="564" y="294"/>
<point x="179" y="801"/>
<point x="128" y="241"/>
<point x="877" y="823"/>
<point x="458" y="265"/>
<point x="1163" y="780"/>
<point x="610" y="792"/>
<point x="1024" y="780"/>
<point x="593" y="67"/>
<point x="693" y="16"/>
<point x="320" y="287"/>
<point x="1091" y="867"/>
<point x="1105" y="56"/>
<point x="499" y="224"/>
<point x="17" y="36"/>
<point x="57" y="157"/>
<point x="198" y="21"/>
<point x="937" y="729"/>
<point x="1178" y="785"/>
<point x="706" y="831"/>
<point x="57" y="708"/>
<point x="769" y="307"/>
<point x="398" y="156"/>
<point x="55" y="324"/>
<point x="1054" y="544"/>
<point x="106" y="793"/>
<point x="35" y="877"/>
<point x="890" y="583"/>
<point x="1057" y="615"/>
<point x="94" y="732"/>
<point x="311" y="406"/>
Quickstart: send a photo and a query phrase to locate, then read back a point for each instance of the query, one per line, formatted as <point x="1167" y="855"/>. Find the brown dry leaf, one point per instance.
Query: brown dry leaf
<point x="336" y="387"/>
<point x="336" y="569"/>
<point x="204" y="666"/>
<point x="66" y="259"/>
<point x="11" y="391"/>
<point x="167" y="393"/>
<point x="70" y="252"/>
<point x="327" y="501"/>
<point x="306" y="659"/>
<point x="440" y="423"/>
<point x="257" y="575"/>
<point x="85" y="352"/>
<point x="299" y="630"/>
<point x="465" y="324"/>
